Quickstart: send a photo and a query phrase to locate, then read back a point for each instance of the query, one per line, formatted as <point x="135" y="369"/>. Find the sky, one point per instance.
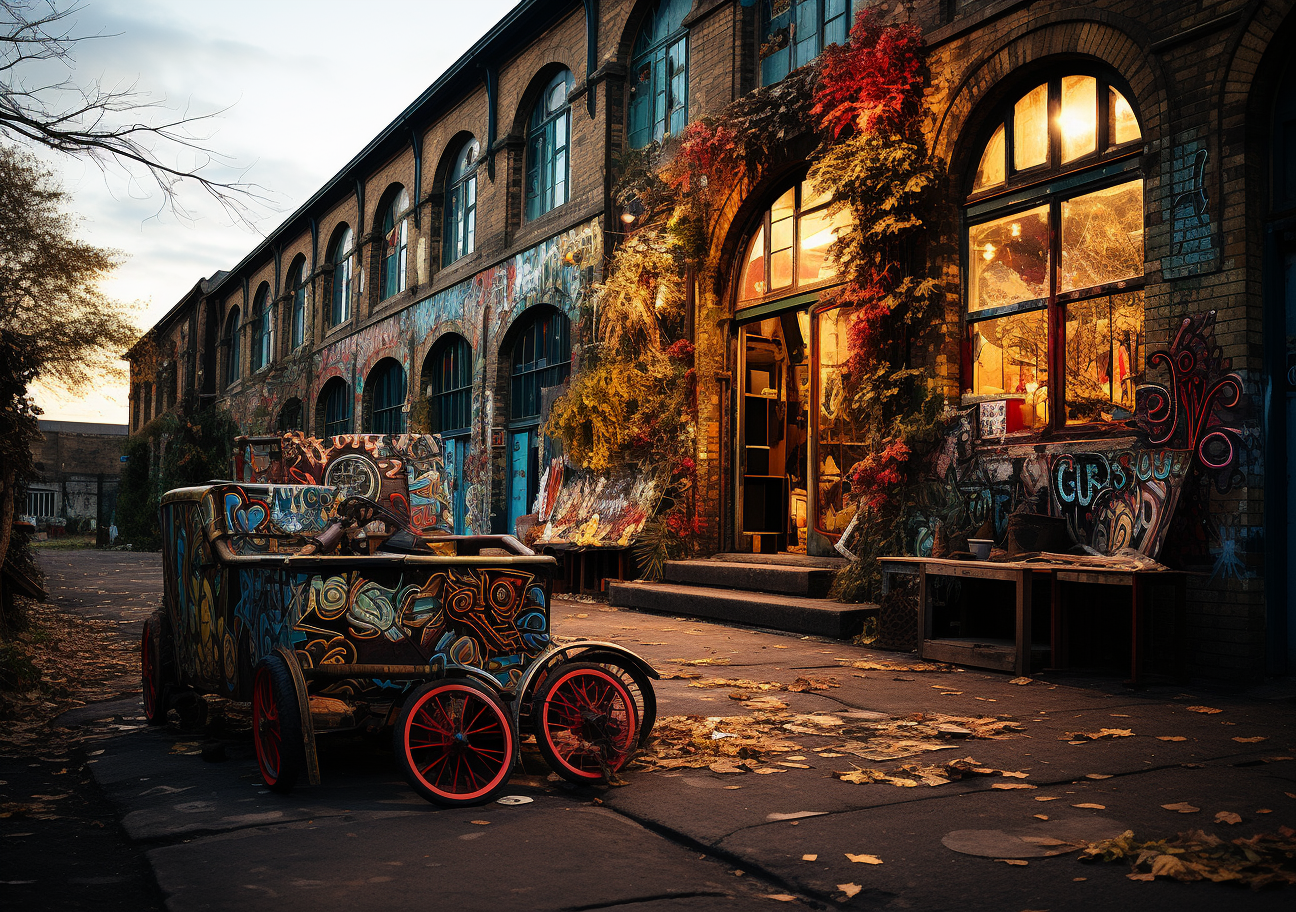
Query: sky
<point x="297" y="87"/>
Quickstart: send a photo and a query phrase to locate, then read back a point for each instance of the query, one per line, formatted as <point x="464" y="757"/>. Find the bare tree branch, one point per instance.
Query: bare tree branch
<point x="111" y="127"/>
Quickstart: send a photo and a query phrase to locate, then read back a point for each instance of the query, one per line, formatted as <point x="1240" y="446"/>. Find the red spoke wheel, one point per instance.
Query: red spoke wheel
<point x="586" y="722"/>
<point x="636" y="682"/>
<point x="155" y="668"/>
<point x="455" y="743"/>
<point x="276" y="725"/>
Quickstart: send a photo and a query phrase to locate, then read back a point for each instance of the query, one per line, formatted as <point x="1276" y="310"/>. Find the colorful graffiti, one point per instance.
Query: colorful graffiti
<point x="404" y="473"/>
<point x="593" y="510"/>
<point x="1115" y="493"/>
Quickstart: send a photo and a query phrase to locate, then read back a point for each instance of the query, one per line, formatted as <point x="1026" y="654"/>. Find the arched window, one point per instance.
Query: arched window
<point x="1053" y="271"/>
<point x="541" y="358"/>
<point x="448" y="374"/>
<point x="297" y="288"/>
<point x="658" y="103"/>
<point x="233" y="363"/>
<point x="386" y="391"/>
<point x="795" y="32"/>
<point x="334" y="409"/>
<point x="292" y="416"/>
<point x="789" y="251"/>
<point x="261" y="327"/>
<point x="461" y="204"/>
<point x="548" y="135"/>
<point x="342" y="257"/>
<point x="395" y="229"/>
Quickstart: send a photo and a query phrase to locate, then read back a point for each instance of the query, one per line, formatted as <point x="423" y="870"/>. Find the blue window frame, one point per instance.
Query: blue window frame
<point x="387" y="403"/>
<point x="233" y="362"/>
<point x="541" y="358"/>
<point x="450" y="401"/>
<point x="336" y="401"/>
<point x="658" y="103"/>
<point x="548" y="135"/>
<point x="297" y="286"/>
<point x="461" y="204"/>
<point x="262" y="321"/>
<point x="795" y="32"/>
<point x="395" y="229"/>
<point x="342" y="258"/>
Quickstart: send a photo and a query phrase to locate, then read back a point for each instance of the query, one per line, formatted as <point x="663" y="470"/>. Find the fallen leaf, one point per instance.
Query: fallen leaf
<point x="800" y="766"/>
<point x="1046" y="797"/>
<point x="1181" y="807"/>
<point x="1013" y="861"/>
<point x="480" y="822"/>
<point x="781" y="897"/>
<point x="1005" y="786"/>
<point x="1091" y="806"/>
<point x="828" y="755"/>
<point x="1022" y="681"/>
<point x="1040" y="816"/>
<point x="1171" y="738"/>
<point x="1227" y="817"/>
<point x="1101" y="734"/>
<point x="1208" y="710"/>
<point x="794" y="815"/>
<point x="766" y="770"/>
<point x="1263" y="811"/>
<point x="1012" y="775"/>
<point x="850" y="889"/>
<point x="1079" y="879"/>
<point x="1097" y="776"/>
<point x="809" y="857"/>
<point x="951" y="693"/>
<point x="737" y="873"/>
<point x="864" y="859"/>
<point x="1256" y="740"/>
<point x="733" y="786"/>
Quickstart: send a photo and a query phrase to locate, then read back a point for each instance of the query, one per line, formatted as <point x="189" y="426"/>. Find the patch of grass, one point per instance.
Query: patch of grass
<point x="65" y="543"/>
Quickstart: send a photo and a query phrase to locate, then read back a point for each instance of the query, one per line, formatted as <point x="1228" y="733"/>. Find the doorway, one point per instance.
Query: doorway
<point x="774" y="433"/>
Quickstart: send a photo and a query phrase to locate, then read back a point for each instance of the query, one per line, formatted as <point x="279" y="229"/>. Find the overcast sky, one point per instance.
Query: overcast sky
<point x="303" y="86"/>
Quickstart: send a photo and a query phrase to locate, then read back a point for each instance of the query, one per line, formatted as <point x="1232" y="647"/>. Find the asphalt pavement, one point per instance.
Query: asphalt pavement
<point x="188" y="808"/>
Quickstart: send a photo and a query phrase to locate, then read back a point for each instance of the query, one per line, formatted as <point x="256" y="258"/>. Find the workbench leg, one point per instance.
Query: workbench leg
<point x="1136" y="628"/>
<point x="1056" y="657"/>
<point x="1024" y="623"/>
<point x="924" y="611"/>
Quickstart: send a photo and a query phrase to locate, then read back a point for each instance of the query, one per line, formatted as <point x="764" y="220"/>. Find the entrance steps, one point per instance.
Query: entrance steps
<point x="778" y="591"/>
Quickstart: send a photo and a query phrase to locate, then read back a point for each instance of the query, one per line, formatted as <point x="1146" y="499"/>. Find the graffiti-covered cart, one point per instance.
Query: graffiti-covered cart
<point x="330" y="612"/>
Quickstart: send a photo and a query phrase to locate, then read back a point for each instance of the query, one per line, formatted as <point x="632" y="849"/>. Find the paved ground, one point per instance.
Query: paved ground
<point x="211" y="838"/>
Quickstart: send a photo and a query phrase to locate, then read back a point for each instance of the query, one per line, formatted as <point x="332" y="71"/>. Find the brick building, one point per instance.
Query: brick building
<point x="78" y="465"/>
<point x="1122" y="178"/>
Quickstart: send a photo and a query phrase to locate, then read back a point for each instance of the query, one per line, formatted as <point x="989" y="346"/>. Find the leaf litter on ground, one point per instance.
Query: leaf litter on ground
<point x="1258" y="861"/>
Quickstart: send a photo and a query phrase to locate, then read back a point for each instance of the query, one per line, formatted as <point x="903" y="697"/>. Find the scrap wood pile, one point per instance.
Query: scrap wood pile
<point x="1262" y="860"/>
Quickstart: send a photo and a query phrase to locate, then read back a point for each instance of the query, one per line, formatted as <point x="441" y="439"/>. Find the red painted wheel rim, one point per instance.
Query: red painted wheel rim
<point x="267" y="733"/>
<point x="459" y="742"/>
<point x="589" y="721"/>
<point x="148" y="672"/>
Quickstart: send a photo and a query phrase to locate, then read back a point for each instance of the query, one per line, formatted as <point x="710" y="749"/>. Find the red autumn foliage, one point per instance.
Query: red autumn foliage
<point x="705" y="150"/>
<point x="681" y="350"/>
<point x="880" y="473"/>
<point x="873" y="83"/>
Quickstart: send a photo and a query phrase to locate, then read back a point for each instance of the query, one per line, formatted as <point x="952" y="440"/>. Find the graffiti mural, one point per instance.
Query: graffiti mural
<point x="1115" y="493"/>
<point x="593" y="510"/>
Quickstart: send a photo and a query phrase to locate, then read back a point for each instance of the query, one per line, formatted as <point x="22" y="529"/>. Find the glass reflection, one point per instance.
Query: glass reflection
<point x="1010" y="359"/>
<point x="1102" y="236"/>
<point x="991" y="169"/>
<point x="1124" y="125"/>
<point x="1078" y="120"/>
<point x="1009" y="260"/>
<point x="818" y="231"/>
<point x="1104" y="357"/>
<point x="753" y="275"/>
<point x="1030" y="129"/>
<point x="839" y="442"/>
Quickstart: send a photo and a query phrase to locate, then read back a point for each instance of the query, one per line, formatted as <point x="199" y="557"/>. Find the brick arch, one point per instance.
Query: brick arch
<point x="531" y="95"/>
<point x="1095" y="35"/>
<point x="1255" y="61"/>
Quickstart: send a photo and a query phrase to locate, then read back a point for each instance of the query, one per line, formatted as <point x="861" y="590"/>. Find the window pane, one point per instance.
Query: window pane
<point x="752" y="285"/>
<point x="781" y="234"/>
<point x="818" y="231"/>
<point x="784" y="206"/>
<point x="1009" y="260"/>
<point x="780" y="269"/>
<point x="1078" y="121"/>
<point x="1104" y="357"/>
<point x="1124" y="125"/>
<point x="841" y="441"/>
<point x="1030" y="129"/>
<point x="1102" y="236"/>
<point x="1010" y="357"/>
<point x="991" y="169"/>
<point x="810" y="198"/>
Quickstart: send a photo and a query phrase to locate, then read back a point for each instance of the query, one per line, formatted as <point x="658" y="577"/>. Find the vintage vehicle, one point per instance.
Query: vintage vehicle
<point x="330" y="612"/>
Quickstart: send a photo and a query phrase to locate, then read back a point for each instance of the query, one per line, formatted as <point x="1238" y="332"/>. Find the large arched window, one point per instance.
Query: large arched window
<point x="395" y="229"/>
<point x="658" y="103"/>
<point x="297" y="290"/>
<point x="1053" y="257"/>
<point x="342" y="256"/>
<point x="548" y="135"/>
<point x="448" y="374"/>
<point x="541" y="358"/>
<point x="461" y="204"/>
<point x="333" y="410"/>
<point x="795" y="32"/>
<point x="385" y="389"/>
<point x="789" y="251"/>
<point x="262" y="322"/>
<point x="233" y="361"/>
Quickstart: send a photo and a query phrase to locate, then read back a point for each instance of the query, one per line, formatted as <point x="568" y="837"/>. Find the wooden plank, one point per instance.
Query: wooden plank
<point x="1023" y="664"/>
<point x="976" y="654"/>
<point x="1096" y="577"/>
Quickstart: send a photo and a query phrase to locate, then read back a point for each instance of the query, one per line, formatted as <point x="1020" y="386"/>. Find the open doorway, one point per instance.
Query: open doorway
<point x="773" y="433"/>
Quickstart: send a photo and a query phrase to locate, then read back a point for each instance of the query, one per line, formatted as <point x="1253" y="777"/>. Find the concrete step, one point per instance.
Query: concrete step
<point x="819" y="617"/>
<point x="783" y="558"/>
<point x="788" y="579"/>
